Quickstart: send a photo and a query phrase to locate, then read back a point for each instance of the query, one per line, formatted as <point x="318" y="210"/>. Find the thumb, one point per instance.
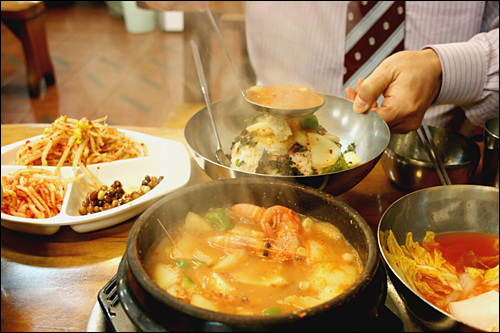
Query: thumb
<point x="370" y="89"/>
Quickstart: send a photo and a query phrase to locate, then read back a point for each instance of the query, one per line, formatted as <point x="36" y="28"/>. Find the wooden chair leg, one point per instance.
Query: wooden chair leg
<point x="34" y="40"/>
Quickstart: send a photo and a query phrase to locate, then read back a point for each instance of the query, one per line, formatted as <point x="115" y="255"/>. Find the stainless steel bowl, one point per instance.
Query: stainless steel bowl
<point x="406" y="163"/>
<point x="438" y="209"/>
<point x="368" y="131"/>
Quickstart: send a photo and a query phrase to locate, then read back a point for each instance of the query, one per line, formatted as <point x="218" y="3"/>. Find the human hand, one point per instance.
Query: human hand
<point x="173" y="5"/>
<point x="409" y="81"/>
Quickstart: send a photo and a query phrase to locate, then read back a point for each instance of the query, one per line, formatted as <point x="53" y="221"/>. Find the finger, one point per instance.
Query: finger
<point x="358" y="82"/>
<point x="350" y="93"/>
<point x="371" y="88"/>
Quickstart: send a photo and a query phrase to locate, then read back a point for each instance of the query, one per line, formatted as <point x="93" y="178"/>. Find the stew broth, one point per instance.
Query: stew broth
<point x="285" y="96"/>
<point x="468" y="249"/>
<point x="242" y="271"/>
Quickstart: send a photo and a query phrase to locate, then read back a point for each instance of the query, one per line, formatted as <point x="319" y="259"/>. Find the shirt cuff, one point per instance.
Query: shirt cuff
<point x="463" y="72"/>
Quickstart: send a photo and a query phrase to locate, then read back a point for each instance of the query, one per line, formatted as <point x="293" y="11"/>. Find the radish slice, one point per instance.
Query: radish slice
<point x="479" y="312"/>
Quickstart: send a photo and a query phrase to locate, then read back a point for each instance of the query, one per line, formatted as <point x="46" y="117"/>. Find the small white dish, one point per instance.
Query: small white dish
<point x="167" y="158"/>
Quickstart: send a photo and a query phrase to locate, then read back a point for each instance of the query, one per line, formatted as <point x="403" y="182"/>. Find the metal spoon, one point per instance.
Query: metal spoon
<point x="221" y="157"/>
<point x="273" y="111"/>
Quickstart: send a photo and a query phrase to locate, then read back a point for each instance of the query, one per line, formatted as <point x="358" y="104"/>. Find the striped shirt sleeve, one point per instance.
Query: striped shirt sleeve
<point x="470" y="76"/>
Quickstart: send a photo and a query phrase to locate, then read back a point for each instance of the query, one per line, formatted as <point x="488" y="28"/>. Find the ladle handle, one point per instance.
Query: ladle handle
<point x="217" y="31"/>
<point x="221" y="157"/>
<point x="204" y="87"/>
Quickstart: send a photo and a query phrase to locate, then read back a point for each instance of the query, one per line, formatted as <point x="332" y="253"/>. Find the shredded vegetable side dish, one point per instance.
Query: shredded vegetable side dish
<point x="38" y="193"/>
<point x="72" y="142"/>
<point x="457" y="272"/>
<point x="33" y="193"/>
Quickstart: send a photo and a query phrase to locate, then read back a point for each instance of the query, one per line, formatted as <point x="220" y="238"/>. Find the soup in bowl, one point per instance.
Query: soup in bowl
<point x="165" y="242"/>
<point x="441" y="249"/>
<point x="232" y="116"/>
<point x="248" y="260"/>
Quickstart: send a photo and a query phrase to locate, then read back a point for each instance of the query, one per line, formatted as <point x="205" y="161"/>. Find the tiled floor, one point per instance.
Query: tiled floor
<point x="102" y="70"/>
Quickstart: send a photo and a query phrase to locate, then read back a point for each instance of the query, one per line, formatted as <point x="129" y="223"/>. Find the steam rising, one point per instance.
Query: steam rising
<point x="220" y="77"/>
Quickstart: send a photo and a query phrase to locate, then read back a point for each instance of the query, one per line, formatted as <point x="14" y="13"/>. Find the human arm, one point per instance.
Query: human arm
<point x="470" y="76"/>
<point x="467" y="74"/>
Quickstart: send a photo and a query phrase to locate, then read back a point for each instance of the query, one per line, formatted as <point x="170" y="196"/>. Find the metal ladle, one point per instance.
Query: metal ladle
<point x="221" y="157"/>
<point x="273" y="111"/>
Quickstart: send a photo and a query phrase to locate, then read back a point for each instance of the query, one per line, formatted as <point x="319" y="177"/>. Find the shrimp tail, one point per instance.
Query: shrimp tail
<point x="234" y="241"/>
<point x="250" y="212"/>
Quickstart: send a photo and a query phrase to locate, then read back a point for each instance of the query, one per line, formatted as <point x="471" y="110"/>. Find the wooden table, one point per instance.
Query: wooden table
<point x="50" y="283"/>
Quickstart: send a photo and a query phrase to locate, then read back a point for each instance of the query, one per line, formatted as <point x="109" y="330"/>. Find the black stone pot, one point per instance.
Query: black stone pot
<point x="151" y="308"/>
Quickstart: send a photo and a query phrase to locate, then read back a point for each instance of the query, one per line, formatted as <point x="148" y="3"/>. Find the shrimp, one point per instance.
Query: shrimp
<point x="250" y="212"/>
<point x="282" y="225"/>
<point x="242" y="238"/>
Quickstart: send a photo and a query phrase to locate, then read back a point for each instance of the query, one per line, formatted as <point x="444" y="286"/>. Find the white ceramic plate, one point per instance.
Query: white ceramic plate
<point x="167" y="158"/>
